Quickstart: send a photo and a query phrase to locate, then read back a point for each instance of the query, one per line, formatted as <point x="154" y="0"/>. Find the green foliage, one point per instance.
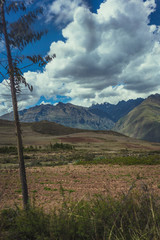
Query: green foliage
<point x="56" y="146"/>
<point x="62" y="146"/>
<point x="123" y="160"/>
<point x="24" y="225"/>
<point x="33" y="156"/>
<point x="8" y="149"/>
<point x="30" y="149"/>
<point x="47" y="189"/>
<point x="18" y="191"/>
<point x="34" y="163"/>
<point x="136" y="216"/>
<point x="15" y="6"/>
<point x="41" y="61"/>
<point x="24" y="33"/>
<point x="8" y="160"/>
<point x="13" y="149"/>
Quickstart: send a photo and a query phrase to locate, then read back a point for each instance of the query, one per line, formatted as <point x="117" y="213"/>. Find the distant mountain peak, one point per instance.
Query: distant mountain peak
<point x="115" y="111"/>
<point x="154" y="97"/>
<point x="60" y="104"/>
<point x="157" y="95"/>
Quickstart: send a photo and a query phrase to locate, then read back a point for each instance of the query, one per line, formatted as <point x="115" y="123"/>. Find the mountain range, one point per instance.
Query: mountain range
<point x="66" y="114"/>
<point x="96" y="117"/>
<point x="139" y="118"/>
<point x="115" y="111"/>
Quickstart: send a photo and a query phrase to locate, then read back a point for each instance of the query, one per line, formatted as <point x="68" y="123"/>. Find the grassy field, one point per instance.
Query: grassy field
<point x="78" y="172"/>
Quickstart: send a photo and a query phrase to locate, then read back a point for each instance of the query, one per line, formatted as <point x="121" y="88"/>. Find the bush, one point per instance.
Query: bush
<point x="62" y="146"/>
<point x="30" y="149"/>
<point x="9" y="149"/>
<point x="24" y="225"/>
<point x="134" y="217"/>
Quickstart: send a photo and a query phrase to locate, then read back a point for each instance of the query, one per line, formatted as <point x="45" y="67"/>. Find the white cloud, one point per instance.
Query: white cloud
<point x="5" y="98"/>
<point x="62" y="11"/>
<point x="115" y="47"/>
<point x="25" y="98"/>
<point x="45" y="103"/>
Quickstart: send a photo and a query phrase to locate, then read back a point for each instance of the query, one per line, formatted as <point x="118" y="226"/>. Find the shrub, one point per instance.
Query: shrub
<point x="62" y="146"/>
<point x="31" y="149"/>
<point x="136" y="216"/>
<point x="8" y="149"/>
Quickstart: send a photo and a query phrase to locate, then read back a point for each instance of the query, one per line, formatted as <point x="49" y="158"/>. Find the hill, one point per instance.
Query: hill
<point x="143" y="122"/>
<point x="43" y="133"/>
<point x="33" y="130"/>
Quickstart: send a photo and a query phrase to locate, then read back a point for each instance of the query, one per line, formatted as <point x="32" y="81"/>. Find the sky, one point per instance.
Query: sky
<point x="106" y="51"/>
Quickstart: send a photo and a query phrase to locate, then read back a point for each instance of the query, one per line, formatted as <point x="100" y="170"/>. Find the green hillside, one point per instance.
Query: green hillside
<point x="143" y="122"/>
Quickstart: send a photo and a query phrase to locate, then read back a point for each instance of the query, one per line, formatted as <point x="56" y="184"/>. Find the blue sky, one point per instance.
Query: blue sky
<point x="106" y="51"/>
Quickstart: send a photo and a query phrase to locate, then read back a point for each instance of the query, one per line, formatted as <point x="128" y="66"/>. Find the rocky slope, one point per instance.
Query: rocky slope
<point x="66" y="114"/>
<point x="115" y="112"/>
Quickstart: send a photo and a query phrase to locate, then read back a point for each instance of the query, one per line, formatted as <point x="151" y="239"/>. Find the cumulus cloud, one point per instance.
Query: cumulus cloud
<point x="5" y="98"/>
<point x="25" y="98"/>
<point x="110" y="55"/>
<point x="62" y="11"/>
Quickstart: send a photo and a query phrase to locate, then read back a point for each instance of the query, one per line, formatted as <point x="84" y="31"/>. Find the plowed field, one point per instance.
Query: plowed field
<point x="49" y="186"/>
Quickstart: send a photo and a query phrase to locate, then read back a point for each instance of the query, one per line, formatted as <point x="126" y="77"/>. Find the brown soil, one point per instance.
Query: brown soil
<point x="49" y="186"/>
<point x="80" y="140"/>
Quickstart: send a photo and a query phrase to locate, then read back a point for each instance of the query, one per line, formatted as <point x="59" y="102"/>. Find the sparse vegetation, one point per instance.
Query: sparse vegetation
<point x="62" y="154"/>
<point x="47" y="189"/>
<point x="8" y="149"/>
<point x="36" y="155"/>
<point x="135" y="217"/>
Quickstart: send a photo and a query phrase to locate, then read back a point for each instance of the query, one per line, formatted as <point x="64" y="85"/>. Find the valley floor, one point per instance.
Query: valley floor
<point x="49" y="186"/>
<point x="49" y="183"/>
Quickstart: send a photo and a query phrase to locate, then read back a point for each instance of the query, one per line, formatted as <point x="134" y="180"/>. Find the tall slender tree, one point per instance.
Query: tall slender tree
<point x="17" y="35"/>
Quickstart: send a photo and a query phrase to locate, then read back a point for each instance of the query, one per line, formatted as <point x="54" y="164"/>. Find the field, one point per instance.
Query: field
<point x="48" y="186"/>
<point x="75" y="165"/>
<point x="82" y="185"/>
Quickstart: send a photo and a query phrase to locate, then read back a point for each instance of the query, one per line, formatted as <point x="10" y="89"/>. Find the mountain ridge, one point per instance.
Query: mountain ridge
<point x="116" y="111"/>
<point x="143" y="122"/>
<point x="66" y="114"/>
<point x="96" y="117"/>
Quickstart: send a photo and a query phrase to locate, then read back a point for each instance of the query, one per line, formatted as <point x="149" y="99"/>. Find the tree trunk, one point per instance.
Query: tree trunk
<point x="15" y="110"/>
